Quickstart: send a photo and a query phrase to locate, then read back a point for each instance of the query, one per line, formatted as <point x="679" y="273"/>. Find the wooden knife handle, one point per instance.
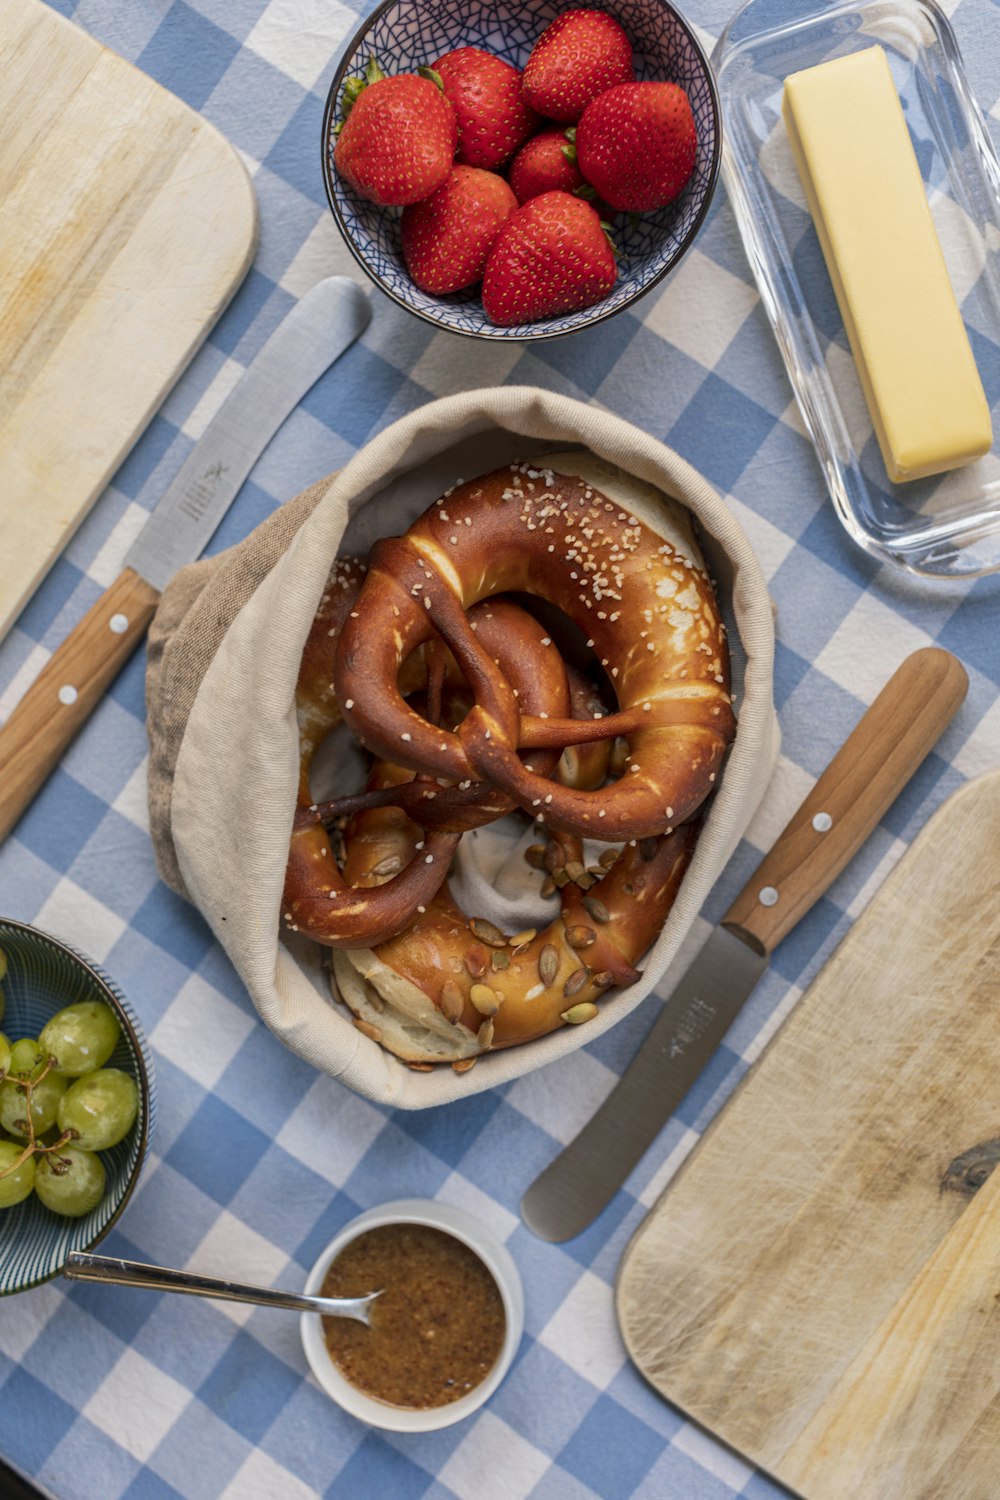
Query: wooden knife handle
<point x="68" y="689"/>
<point x="858" y="786"/>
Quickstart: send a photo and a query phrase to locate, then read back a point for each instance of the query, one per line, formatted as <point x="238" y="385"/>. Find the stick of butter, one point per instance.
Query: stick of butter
<point x="866" y="195"/>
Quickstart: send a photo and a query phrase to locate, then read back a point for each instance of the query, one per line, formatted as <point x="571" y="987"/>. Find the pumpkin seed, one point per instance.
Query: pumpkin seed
<point x="560" y="877"/>
<point x="487" y="933"/>
<point x="477" y="960"/>
<point x="484" y="1036"/>
<point x="499" y="959"/>
<point x="548" y="964"/>
<point x="597" y="909"/>
<point x="521" y="939"/>
<point x="576" y="982"/>
<point x="391" y="865"/>
<point x="521" y="948"/>
<point x="574" y="869"/>
<point x="608" y="858"/>
<point x="577" y="1014"/>
<point x="548" y="887"/>
<point x="486" y="1001"/>
<point x="580" y="937"/>
<point x="367" y="1029"/>
<point x="604" y="980"/>
<point x="585" y="880"/>
<point x="452" y="1002"/>
<point x="535" y="855"/>
<point x="421" y="1067"/>
<point x="464" y="1064"/>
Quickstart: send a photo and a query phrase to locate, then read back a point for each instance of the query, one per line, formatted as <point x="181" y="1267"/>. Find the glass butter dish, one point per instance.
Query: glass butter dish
<point x="943" y="527"/>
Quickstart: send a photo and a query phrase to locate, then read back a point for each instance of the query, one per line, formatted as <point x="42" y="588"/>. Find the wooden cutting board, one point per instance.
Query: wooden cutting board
<point x="820" y="1285"/>
<point x="126" y="223"/>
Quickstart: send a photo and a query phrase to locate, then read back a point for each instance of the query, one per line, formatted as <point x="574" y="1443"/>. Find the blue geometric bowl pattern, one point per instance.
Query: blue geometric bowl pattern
<point x="405" y="34"/>
<point x="43" y="975"/>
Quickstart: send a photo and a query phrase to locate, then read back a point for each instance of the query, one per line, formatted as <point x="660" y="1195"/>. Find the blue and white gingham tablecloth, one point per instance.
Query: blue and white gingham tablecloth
<point x="107" y="1394"/>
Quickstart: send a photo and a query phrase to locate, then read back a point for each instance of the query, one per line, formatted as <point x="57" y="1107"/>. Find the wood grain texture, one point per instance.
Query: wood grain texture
<point x="813" y="1287"/>
<point x="68" y="689"/>
<point x="857" y="787"/>
<point x="127" y="222"/>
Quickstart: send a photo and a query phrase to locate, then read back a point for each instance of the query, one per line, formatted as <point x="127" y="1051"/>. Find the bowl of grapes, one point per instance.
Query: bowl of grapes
<point x="77" y="1104"/>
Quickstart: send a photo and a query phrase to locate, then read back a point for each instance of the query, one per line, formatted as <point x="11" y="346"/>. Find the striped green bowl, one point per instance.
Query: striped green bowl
<point x="43" y="975"/>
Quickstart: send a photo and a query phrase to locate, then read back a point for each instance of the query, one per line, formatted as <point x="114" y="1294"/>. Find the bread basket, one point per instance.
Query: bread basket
<point x="224" y="652"/>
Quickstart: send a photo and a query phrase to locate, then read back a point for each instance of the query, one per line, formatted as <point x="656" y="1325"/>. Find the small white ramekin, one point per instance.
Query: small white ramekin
<point x="499" y="1263"/>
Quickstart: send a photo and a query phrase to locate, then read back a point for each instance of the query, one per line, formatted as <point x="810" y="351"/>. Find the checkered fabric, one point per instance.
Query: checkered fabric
<point x="108" y="1394"/>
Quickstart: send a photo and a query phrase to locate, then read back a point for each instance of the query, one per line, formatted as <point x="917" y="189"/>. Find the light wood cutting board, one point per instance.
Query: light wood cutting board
<point x="820" y="1285"/>
<point x="126" y="223"/>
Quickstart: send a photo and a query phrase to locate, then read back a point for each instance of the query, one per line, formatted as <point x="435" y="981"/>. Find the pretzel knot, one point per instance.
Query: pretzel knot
<point x="646" y="607"/>
<point x="323" y="902"/>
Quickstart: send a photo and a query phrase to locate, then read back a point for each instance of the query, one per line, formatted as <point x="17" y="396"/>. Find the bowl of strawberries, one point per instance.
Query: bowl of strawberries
<point x="516" y="170"/>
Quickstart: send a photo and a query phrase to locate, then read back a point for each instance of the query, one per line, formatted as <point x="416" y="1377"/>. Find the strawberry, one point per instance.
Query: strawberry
<point x="397" y="142"/>
<point x="485" y="92"/>
<point x="636" y="144"/>
<point x="552" y="256"/>
<point x="545" y="164"/>
<point x="577" y="57"/>
<point x="448" y="236"/>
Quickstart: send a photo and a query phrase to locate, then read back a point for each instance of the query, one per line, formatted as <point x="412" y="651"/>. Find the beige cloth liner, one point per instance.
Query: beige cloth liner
<point x="224" y="654"/>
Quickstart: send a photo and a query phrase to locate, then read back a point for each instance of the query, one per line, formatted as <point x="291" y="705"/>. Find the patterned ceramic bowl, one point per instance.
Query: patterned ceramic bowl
<point x="43" y="975"/>
<point x="403" y="36"/>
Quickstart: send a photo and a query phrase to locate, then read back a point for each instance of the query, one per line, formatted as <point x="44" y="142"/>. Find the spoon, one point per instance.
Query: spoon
<point x="107" y="1268"/>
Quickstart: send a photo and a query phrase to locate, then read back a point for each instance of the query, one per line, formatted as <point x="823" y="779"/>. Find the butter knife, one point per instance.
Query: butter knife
<point x="324" y="323"/>
<point x="846" y="804"/>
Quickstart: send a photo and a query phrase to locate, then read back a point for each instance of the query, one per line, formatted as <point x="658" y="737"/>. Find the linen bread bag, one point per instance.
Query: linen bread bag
<point x="224" y="655"/>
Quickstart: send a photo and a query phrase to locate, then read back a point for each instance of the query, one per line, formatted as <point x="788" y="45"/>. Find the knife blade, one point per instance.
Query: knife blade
<point x="318" y="329"/>
<point x="845" y="805"/>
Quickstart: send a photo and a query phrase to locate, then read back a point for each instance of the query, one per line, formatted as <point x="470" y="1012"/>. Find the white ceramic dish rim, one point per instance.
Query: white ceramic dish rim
<point x="495" y="1256"/>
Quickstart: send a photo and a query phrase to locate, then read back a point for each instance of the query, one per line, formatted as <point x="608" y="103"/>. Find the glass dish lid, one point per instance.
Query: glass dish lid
<point x="947" y="526"/>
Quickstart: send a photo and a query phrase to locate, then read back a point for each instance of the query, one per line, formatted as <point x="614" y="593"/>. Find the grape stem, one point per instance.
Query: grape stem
<point x="34" y="1147"/>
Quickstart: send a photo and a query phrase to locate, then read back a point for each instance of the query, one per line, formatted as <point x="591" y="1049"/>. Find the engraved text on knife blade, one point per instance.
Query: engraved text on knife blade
<point x="198" y="497"/>
<point x="700" y="1014"/>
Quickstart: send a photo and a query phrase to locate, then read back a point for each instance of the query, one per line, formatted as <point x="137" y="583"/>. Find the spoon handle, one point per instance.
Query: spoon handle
<point x="83" y="1267"/>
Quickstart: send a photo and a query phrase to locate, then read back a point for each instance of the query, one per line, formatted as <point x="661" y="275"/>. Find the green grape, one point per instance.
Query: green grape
<point x="3" y="1002"/>
<point x="45" y="1097"/>
<point x="70" y="1181"/>
<point x="18" y="1184"/>
<point x="81" y="1037"/>
<point x="101" y="1107"/>
<point x="5" y="1051"/>
<point x="26" y="1058"/>
<point x="3" y="964"/>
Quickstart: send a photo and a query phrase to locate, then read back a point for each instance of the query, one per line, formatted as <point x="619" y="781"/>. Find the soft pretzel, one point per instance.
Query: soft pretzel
<point x="318" y="900"/>
<point x="451" y="987"/>
<point x="566" y="530"/>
